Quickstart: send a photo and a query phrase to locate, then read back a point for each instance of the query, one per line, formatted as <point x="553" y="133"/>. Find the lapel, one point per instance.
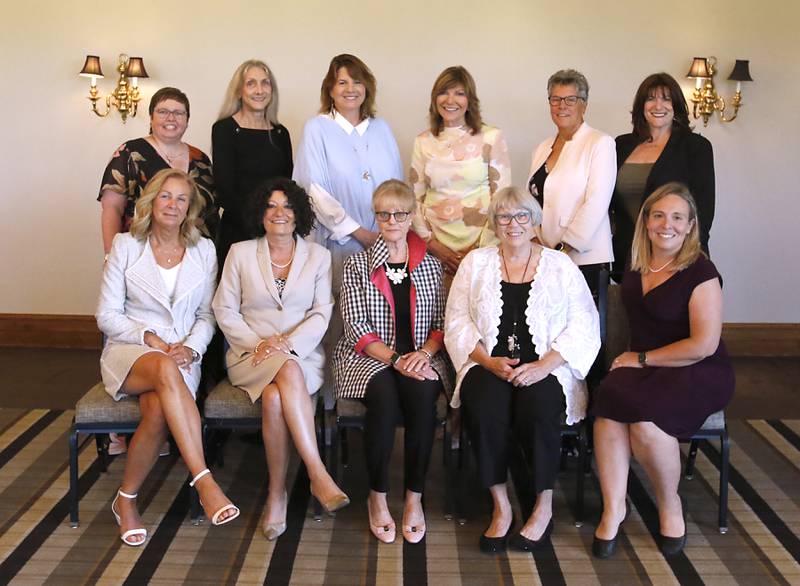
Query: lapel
<point x="264" y="266"/>
<point x="662" y="161"/>
<point x="190" y="276"/>
<point x="377" y="255"/>
<point x="144" y="273"/>
<point x="298" y="264"/>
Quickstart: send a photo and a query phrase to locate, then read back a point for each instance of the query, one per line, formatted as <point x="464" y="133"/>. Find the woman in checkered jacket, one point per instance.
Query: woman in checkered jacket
<point x="393" y="310"/>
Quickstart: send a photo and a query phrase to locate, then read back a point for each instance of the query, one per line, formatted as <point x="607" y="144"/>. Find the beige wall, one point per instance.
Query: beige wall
<point x="54" y="150"/>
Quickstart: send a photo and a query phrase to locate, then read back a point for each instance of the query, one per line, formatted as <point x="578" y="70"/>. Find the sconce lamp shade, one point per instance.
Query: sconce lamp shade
<point x="699" y="68"/>
<point x="741" y="71"/>
<point x="136" y="68"/>
<point x="92" y="67"/>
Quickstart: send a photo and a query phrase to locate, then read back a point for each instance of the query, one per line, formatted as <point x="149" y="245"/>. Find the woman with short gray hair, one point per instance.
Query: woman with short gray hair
<point x="572" y="177"/>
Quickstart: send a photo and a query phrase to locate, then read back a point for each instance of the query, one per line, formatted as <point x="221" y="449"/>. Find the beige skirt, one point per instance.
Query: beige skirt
<point x="117" y="360"/>
<point x="252" y="379"/>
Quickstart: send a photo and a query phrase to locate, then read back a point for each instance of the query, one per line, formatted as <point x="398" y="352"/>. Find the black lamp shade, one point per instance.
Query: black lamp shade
<point x="741" y="71"/>
<point x="699" y="68"/>
<point x="136" y="68"/>
<point x="91" y="68"/>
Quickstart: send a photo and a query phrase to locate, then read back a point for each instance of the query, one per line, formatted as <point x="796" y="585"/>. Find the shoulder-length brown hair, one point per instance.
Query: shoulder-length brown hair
<point x="651" y="84"/>
<point x="449" y="78"/>
<point x="356" y="69"/>
<point x="641" y="250"/>
<point x="142" y="224"/>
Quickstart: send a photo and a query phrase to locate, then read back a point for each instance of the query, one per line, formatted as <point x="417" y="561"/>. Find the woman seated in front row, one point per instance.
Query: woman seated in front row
<point x="155" y="309"/>
<point x="522" y="331"/>
<point x="273" y="304"/>
<point x="393" y="310"/>
<point x="676" y="374"/>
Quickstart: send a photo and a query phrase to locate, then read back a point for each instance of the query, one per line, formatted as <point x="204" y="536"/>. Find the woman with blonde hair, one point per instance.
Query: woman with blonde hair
<point x="457" y="164"/>
<point x="676" y="373"/>
<point x="155" y="310"/>
<point x="248" y="146"/>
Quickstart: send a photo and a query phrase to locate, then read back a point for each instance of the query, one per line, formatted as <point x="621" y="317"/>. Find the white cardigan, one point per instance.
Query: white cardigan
<point x="561" y="315"/>
<point x="577" y="195"/>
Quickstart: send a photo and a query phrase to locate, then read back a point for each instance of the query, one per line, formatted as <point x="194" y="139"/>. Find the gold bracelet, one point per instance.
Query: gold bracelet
<point x="258" y="346"/>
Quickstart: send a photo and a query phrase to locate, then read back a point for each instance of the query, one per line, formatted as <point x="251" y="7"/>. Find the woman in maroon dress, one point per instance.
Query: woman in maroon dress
<point x="677" y="372"/>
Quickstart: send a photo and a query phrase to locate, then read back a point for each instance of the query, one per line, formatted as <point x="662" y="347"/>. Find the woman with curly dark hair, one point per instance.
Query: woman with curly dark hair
<point x="273" y="304"/>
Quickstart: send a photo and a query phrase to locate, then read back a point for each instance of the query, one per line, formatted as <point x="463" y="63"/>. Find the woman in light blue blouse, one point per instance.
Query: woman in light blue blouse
<point x="346" y="152"/>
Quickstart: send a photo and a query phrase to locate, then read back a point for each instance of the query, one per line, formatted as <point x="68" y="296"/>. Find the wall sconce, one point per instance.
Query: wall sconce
<point x="705" y="99"/>
<point x="125" y="98"/>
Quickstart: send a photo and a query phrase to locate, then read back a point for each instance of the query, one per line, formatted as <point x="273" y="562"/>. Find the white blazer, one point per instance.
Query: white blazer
<point x="249" y="308"/>
<point x="133" y="299"/>
<point x="577" y="195"/>
<point x="561" y="316"/>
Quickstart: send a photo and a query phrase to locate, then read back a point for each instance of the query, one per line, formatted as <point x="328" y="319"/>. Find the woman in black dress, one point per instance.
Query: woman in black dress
<point x="136" y="161"/>
<point x="661" y="148"/>
<point x="677" y="372"/>
<point x="248" y="145"/>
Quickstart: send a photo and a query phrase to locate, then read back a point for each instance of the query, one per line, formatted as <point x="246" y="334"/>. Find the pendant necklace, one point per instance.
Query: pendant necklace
<point x="291" y="258"/>
<point x="662" y="267"/>
<point x="397" y="276"/>
<point x="175" y="251"/>
<point x="513" y="339"/>
<point x="165" y="156"/>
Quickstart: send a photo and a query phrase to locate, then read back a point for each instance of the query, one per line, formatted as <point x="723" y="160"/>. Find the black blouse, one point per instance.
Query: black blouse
<point x="512" y="320"/>
<point x="404" y="341"/>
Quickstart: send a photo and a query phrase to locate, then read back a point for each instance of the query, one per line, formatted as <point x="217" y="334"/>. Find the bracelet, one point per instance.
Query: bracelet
<point x="426" y="353"/>
<point x="258" y="346"/>
<point x="195" y="355"/>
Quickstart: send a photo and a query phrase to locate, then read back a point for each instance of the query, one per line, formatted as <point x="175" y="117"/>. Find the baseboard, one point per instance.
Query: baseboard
<point x="49" y="331"/>
<point x="80" y="331"/>
<point x="762" y="339"/>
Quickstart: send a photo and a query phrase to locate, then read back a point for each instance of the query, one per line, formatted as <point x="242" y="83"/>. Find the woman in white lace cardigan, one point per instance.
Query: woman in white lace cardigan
<point x="522" y="331"/>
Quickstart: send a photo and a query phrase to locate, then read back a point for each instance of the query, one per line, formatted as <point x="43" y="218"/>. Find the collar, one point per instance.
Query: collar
<point x="379" y="253"/>
<point x="360" y="128"/>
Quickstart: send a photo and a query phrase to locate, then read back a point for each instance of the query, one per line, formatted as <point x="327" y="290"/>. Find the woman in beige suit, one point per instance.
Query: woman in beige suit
<point x="155" y="309"/>
<point x="273" y="304"/>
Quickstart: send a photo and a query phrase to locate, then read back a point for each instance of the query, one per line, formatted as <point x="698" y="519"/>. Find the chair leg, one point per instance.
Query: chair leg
<point x="319" y="428"/>
<point x="194" y="496"/>
<point x="101" y="441"/>
<point x="447" y="463"/>
<point x="723" y="481"/>
<point x="689" y="473"/>
<point x="73" y="478"/>
<point x="344" y="447"/>
<point x="462" y="466"/>
<point x="580" y="476"/>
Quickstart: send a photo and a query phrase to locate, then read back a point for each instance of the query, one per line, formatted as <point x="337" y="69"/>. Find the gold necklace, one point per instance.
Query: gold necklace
<point x="661" y="268"/>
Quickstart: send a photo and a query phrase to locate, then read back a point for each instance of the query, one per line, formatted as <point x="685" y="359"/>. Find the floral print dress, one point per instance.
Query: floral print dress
<point x="454" y="176"/>
<point x="136" y="161"/>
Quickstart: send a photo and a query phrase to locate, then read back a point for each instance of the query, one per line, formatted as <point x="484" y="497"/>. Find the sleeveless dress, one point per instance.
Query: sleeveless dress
<point x="677" y="399"/>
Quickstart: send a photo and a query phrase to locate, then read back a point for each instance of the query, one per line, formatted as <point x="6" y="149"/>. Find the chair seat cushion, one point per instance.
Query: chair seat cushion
<point x="226" y="401"/>
<point x="714" y="421"/>
<point x="97" y="406"/>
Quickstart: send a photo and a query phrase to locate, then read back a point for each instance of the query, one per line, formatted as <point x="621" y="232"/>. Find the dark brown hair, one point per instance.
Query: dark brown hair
<point x="356" y="69"/>
<point x="651" y="84"/>
<point x="168" y="93"/>
<point x="451" y="77"/>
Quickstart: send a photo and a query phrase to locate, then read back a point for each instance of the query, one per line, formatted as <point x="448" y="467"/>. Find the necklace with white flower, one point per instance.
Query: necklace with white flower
<point x="397" y="275"/>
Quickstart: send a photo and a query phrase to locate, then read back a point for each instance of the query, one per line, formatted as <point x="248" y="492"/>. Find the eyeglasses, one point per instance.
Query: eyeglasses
<point x="399" y="217"/>
<point x="164" y="113"/>
<point x="522" y="218"/>
<point x="568" y="100"/>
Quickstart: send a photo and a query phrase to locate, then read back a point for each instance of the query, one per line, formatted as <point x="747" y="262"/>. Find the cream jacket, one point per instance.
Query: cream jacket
<point x="561" y="316"/>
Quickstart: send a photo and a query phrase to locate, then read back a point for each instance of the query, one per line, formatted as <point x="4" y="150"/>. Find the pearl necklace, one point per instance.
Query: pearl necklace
<point x="662" y="267"/>
<point x="397" y="276"/>
<point x="291" y="258"/>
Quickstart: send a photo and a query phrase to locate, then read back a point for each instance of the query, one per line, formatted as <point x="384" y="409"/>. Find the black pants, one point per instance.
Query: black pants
<point x="392" y="398"/>
<point x="494" y="409"/>
<point x="592" y="274"/>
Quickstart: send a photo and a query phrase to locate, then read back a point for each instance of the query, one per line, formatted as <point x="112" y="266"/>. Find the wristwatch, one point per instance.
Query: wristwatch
<point x="561" y="247"/>
<point x="394" y="358"/>
<point x="643" y="358"/>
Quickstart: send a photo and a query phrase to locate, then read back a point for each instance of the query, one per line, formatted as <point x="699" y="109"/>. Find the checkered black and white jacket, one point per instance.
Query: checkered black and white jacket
<point x="368" y="313"/>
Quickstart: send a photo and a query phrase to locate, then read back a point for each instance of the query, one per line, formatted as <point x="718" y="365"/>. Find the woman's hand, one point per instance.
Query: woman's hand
<point x="416" y="361"/>
<point x="529" y="373"/>
<point x="275" y="343"/>
<point x="449" y="259"/>
<point x="500" y="366"/>
<point x="365" y="237"/>
<point x="154" y="341"/>
<point x="182" y="355"/>
<point x="626" y="360"/>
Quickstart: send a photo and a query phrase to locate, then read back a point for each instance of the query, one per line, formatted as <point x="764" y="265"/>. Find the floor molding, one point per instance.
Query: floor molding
<point x="80" y="331"/>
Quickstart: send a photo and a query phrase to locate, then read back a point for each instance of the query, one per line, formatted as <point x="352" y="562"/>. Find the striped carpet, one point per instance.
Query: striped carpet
<point x="38" y="546"/>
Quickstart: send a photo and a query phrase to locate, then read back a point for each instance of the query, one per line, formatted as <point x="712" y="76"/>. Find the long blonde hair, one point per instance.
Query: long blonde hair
<point x="641" y="249"/>
<point x="232" y="102"/>
<point x="142" y="223"/>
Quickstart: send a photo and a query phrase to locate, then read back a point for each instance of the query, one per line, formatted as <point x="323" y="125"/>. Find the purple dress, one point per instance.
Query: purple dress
<point x="676" y="399"/>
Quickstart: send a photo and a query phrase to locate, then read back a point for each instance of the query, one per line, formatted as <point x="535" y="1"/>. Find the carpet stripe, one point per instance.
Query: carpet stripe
<point x="282" y="561"/>
<point x="788" y="434"/>
<point x="24" y="438"/>
<point x="778" y="441"/>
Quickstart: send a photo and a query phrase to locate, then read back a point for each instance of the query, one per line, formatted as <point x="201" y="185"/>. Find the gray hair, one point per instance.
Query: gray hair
<point x="569" y="77"/>
<point x="514" y="197"/>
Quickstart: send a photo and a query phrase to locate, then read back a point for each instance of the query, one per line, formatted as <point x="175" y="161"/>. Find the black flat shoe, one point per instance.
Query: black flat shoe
<point x="522" y="543"/>
<point x="670" y="546"/>
<point x="495" y="544"/>
<point x="604" y="548"/>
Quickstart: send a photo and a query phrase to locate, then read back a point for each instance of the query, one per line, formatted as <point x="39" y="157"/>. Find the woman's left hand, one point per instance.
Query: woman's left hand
<point x="626" y="360"/>
<point x="528" y="374"/>
<point x="182" y="355"/>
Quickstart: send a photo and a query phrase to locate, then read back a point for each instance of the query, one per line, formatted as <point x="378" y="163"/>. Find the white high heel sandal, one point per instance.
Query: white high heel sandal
<point x="230" y="506"/>
<point x="128" y="534"/>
